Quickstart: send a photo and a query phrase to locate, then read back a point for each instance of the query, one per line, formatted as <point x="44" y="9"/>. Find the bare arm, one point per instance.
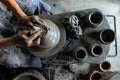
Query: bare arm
<point x="4" y="42"/>
<point x="22" y="39"/>
<point x="14" y="7"/>
<point x="20" y="14"/>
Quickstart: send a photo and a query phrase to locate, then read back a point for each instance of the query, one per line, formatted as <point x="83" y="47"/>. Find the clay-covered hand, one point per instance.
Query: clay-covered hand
<point x="34" y="23"/>
<point x="27" y="39"/>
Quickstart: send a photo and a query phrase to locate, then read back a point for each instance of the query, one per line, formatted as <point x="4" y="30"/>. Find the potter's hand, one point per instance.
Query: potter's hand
<point x="34" y="23"/>
<point x="23" y="38"/>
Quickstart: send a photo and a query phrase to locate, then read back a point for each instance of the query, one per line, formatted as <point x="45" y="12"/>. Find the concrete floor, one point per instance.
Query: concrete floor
<point x="108" y="7"/>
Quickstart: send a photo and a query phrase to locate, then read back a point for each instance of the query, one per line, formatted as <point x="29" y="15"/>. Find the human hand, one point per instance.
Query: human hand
<point x="34" y="23"/>
<point x="27" y="39"/>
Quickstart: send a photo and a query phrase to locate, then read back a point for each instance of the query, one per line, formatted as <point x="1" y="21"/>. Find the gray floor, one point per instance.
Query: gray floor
<point x="108" y="7"/>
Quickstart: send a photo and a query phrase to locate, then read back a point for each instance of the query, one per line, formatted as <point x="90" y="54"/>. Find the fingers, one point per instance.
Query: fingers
<point x="34" y="40"/>
<point x="37" y="42"/>
<point x="23" y="32"/>
<point x="30" y="39"/>
<point x="25" y="37"/>
<point x="29" y="44"/>
<point x="38" y="20"/>
<point x="29" y="26"/>
<point x="35" y="35"/>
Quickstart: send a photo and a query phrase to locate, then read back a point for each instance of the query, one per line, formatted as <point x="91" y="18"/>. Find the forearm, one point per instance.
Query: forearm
<point x="4" y="42"/>
<point x="14" y="7"/>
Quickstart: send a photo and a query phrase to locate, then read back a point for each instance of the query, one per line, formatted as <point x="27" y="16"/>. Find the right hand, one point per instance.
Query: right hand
<point x="22" y="38"/>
